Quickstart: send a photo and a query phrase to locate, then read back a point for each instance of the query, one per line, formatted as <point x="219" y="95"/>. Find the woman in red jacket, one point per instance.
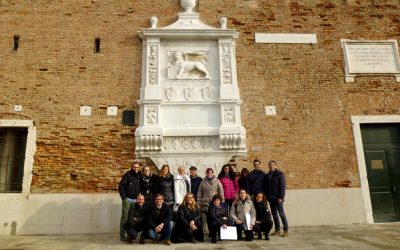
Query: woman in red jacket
<point x="227" y="177"/>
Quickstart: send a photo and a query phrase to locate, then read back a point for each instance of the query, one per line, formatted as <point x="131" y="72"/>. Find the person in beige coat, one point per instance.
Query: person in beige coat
<point x="241" y="206"/>
<point x="209" y="187"/>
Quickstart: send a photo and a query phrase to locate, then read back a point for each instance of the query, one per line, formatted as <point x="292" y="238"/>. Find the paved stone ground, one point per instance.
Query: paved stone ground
<point x="377" y="236"/>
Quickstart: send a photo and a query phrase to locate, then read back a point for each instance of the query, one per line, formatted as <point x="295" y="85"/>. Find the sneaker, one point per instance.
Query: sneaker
<point x="285" y="234"/>
<point x="276" y="233"/>
<point x="167" y="242"/>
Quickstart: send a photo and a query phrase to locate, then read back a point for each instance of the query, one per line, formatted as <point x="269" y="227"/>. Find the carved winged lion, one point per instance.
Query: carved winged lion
<point x="189" y="61"/>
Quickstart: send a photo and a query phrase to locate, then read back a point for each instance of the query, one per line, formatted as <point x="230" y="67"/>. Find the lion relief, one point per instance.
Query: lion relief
<point x="189" y="65"/>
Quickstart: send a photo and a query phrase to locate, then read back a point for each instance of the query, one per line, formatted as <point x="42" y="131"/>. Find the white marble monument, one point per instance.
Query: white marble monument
<point x="189" y="97"/>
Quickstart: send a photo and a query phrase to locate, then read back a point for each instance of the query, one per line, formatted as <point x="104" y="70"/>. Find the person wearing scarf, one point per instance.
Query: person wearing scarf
<point x="147" y="185"/>
<point x="209" y="187"/>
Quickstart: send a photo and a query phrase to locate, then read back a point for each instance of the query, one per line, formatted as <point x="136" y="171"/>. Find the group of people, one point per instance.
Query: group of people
<point x="180" y="208"/>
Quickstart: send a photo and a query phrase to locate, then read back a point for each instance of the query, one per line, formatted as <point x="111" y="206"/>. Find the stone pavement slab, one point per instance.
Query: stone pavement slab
<point x="377" y="236"/>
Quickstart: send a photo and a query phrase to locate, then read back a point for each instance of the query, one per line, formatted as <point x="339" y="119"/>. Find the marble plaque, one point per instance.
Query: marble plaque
<point x="370" y="57"/>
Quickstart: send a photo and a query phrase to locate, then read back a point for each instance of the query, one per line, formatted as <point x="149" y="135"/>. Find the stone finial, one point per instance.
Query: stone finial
<point x="188" y="5"/>
<point x="223" y="21"/>
<point x="153" y="22"/>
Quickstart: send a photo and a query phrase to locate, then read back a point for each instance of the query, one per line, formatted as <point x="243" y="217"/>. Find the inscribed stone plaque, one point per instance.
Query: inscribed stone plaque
<point x="371" y="57"/>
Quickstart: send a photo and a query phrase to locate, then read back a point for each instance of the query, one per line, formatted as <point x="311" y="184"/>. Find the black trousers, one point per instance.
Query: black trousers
<point x="263" y="227"/>
<point x="249" y="233"/>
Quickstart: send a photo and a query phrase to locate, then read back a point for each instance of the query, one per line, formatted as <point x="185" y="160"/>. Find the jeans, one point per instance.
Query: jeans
<point x="277" y="208"/>
<point x="165" y="232"/>
<point x="124" y="216"/>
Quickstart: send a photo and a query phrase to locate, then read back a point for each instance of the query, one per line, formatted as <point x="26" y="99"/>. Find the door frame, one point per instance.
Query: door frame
<point x="362" y="169"/>
<point x="29" y="156"/>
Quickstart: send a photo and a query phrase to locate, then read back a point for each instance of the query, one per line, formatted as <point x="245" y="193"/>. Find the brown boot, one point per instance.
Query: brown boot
<point x="276" y="233"/>
<point x="285" y="234"/>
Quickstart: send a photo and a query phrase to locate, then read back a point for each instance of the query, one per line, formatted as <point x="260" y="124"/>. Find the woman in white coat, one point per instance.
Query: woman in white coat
<point x="181" y="186"/>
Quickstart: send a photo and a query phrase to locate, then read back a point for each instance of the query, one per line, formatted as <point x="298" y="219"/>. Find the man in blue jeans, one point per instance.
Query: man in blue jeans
<point x="160" y="220"/>
<point x="275" y="191"/>
<point x="128" y="188"/>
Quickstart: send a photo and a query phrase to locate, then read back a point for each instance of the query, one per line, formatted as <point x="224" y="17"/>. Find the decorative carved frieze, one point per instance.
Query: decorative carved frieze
<point x="229" y="114"/>
<point x="190" y="93"/>
<point x="190" y="143"/>
<point x="226" y="64"/>
<point x="153" y="65"/>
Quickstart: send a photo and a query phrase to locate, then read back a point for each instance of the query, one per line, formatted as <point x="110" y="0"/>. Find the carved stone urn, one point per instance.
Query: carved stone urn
<point x="188" y="5"/>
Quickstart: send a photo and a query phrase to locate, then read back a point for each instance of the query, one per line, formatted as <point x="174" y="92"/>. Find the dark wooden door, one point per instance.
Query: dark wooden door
<point x="381" y="144"/>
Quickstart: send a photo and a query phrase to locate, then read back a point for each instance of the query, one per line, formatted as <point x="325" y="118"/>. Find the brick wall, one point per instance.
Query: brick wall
<point x="55" y="70"/>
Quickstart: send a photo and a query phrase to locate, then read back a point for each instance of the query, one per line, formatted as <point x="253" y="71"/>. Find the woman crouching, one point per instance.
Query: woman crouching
<point x="244" y="215"/>
<point x="188" y="221"/>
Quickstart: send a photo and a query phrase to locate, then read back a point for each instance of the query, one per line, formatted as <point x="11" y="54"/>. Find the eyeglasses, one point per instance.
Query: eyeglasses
<point x="189" y="197"/>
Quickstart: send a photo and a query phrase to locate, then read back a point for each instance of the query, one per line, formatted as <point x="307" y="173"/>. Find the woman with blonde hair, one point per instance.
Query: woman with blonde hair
<point x="188" y="221"/>
<point x="181" y="186"/>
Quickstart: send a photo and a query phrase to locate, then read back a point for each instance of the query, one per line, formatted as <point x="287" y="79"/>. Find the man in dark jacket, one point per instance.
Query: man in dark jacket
<point x="194" y="181"/>
<point x="137" y="219"/>
<point x="128" y="188"/>
<point x="256" y="179"/>
<point x="275" y="192"/>
<point x="160" y="220"/>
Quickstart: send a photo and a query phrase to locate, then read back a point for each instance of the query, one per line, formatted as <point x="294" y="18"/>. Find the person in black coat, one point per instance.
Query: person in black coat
<point x="165" y="185"/>
<point x="218" y="216"/>
<point x="128" y="188"/>
<point x="188" y="221"/>
<point x="160" y="220"/>
<point x="195" y="181"/>
<point x="243" y="180"/>
<point x="147" y="183"/>
<point x="275" y="192"/>
<point x="136" y="222"/>
<point x="257" y="179"/>
<point x="263" y="216"/>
